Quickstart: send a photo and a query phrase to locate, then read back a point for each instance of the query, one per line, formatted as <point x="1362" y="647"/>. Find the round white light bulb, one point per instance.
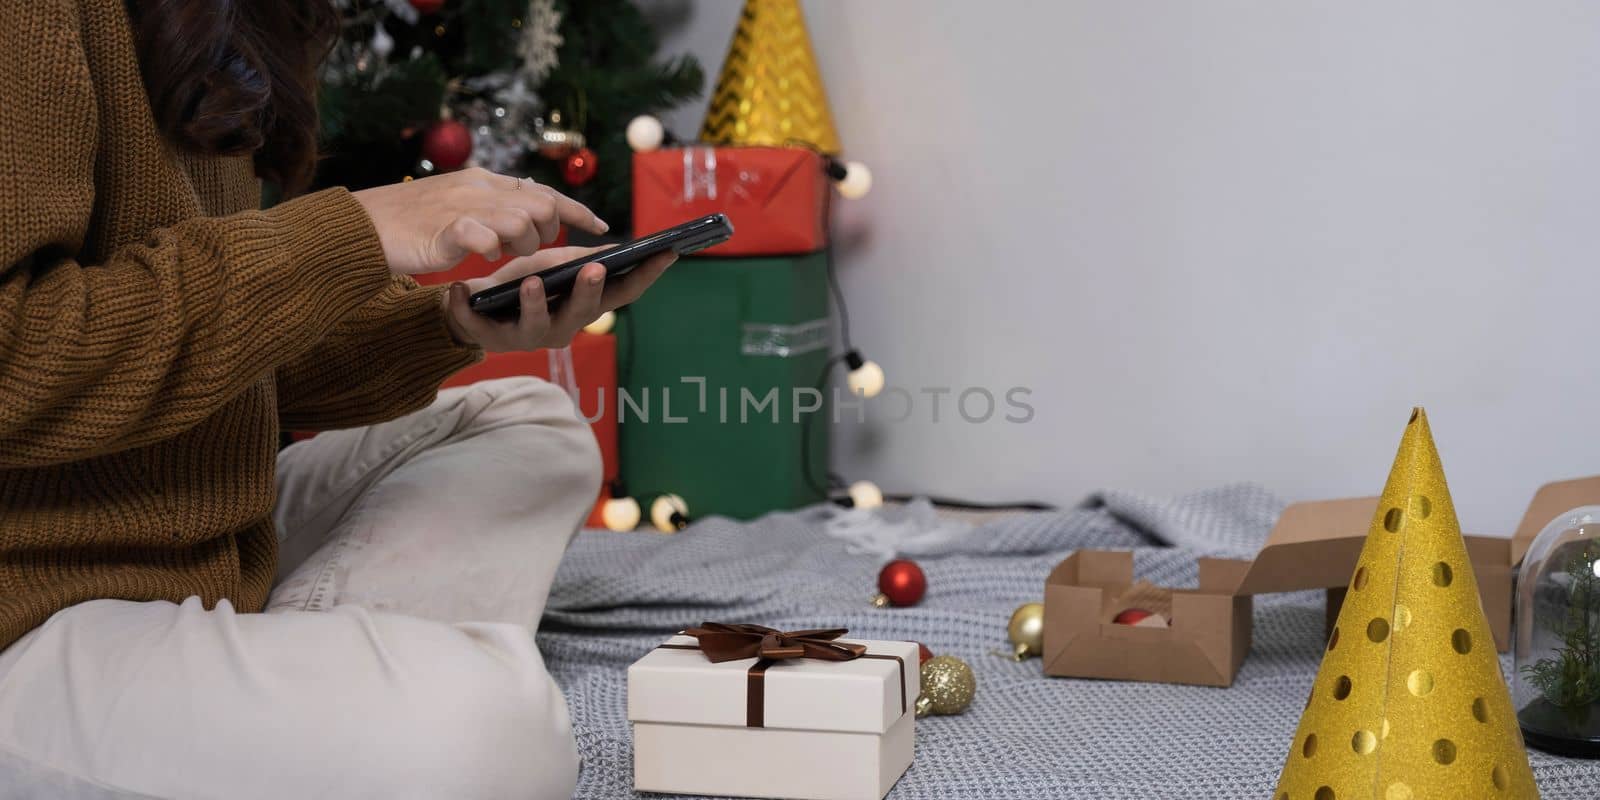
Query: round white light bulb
<point x="866" y="380"/>
<point x="857" y="181"/>
<point x="645" y="133"/>
<point x="662" y="509"/>
<point x="866" y="495"/>
<point x="602" y="324"/>
<point x="620" y="514"/>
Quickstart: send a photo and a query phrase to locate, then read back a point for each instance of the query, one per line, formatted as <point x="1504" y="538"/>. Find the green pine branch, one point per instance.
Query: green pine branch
<point x="1570" y="678"/>
<point x="607" y="74"/>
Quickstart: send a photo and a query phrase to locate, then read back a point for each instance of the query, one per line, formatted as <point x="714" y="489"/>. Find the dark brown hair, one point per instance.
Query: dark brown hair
<point x="236" y="77"/>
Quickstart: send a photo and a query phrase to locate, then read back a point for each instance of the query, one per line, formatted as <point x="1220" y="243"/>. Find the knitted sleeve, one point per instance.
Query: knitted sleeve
<point x="96" y="358"/>
<point x="385" y="359"/>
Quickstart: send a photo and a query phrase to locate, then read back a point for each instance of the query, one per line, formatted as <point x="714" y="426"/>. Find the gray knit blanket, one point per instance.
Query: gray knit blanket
<point x="1026" y="735"/>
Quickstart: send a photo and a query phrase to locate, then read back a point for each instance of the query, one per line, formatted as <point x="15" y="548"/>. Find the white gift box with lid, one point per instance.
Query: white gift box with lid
<point x="802" y="728"/>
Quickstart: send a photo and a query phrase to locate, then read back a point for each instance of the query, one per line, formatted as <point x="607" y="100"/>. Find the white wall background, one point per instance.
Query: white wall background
<point x="1220" y="241"/>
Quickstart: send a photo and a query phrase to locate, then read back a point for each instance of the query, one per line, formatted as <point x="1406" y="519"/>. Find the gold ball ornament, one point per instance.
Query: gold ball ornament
<point x="1026" y="630"/>
<point x="948" y="686"/>
<point x="553" y="140"/>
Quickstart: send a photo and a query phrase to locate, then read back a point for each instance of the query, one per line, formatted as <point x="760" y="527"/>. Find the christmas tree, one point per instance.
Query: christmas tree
<point x="542" y="88"/>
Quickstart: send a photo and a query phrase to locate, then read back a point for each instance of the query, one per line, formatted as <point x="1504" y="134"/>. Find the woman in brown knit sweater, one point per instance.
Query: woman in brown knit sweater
<point x="156" y="332"/>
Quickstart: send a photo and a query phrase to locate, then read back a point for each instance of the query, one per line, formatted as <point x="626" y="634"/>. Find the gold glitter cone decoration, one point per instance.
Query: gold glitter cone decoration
<point x="770" y="92"/>
<point x="1409" y="702"/>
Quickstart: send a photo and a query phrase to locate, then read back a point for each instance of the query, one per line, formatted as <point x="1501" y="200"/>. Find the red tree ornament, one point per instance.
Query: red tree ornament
<point x="580" y="167"/>
<point x="900" y="583"/>
<point x="923" y="654"/>
<point x="448" y="144"/>
<point x="1139" y="617"/>
<point x="427" y="6"/>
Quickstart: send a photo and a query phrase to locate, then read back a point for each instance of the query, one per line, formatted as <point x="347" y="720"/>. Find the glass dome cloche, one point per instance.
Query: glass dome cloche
<point x="1557" y="685"/>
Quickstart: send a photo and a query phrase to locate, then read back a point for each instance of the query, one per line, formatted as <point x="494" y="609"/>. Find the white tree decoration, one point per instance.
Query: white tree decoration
<point x="541" y="38"/>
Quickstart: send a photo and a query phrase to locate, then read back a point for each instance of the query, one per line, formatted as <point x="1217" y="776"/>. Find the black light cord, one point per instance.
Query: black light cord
<point x="838" y="300"/>
<point x="806" y="466"/>
<point x="849" y="357"/>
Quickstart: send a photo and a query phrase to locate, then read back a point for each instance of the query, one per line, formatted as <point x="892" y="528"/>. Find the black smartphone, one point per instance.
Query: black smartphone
<point x="501" y="302"/>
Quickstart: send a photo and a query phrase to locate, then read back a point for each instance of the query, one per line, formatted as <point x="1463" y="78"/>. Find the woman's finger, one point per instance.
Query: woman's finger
<point x="514" y="226"/>
<point x="629" y="287"/>
<point x="477" y="327"/>
<point x="570" y="205"/>
<point x="466" y="235"/>
<point x="542" y="210"/>
<point x="534" y="324"/>
<point x="582" y="305"/>
<point x="557" y="206"/>
<point x="542" y="260"/>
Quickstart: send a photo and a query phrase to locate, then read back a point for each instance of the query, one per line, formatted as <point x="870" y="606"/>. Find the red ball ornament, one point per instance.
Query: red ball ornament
<point x="580" y="167"/>
<point x="1140" y="618"/>
<point x="923" y="654"/>
<point x="448" y="144"/>
<point x="900" y="583"/>
<point x="427" y="6"/>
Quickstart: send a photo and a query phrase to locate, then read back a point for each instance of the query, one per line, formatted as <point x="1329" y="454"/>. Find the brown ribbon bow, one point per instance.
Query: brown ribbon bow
<point x="722" y="641"/>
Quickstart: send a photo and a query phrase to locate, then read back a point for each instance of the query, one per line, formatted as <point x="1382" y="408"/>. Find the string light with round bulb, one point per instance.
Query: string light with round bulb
<point x="621" y="514"/>
<point x="602" y="324"/>
<point x="851" y="179"/>
<point x="865" y="377"/>
<point x="669" y="513"/>
<point x="646" y="133"/>
<point x="864" y="495"/>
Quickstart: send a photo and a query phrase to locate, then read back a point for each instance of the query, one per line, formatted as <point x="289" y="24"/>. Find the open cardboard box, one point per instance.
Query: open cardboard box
<point x="1314" y="545"/>
<point x="1205" y="644"/>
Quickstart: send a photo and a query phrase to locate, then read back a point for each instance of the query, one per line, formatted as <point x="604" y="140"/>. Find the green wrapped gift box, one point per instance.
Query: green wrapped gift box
<point x="718" y="367"/>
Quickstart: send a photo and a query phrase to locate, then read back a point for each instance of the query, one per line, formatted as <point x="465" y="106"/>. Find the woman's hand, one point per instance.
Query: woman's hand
<point x="431" y="224"/>
<point x="537" y="327"/>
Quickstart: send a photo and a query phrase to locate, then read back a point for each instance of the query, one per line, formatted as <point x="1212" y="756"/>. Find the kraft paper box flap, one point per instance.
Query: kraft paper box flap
<point x="1315" y="544"/>
<point x="1551" y="500"/>
<point x="1215" y="624"/>
<point x="1312" y="546"/>
<point x="864" y="695"/>
<point x="1222" y="574"/>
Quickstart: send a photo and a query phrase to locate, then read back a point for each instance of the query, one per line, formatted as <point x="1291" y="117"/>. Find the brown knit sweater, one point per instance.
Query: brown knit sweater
<point x="155" y="331"/>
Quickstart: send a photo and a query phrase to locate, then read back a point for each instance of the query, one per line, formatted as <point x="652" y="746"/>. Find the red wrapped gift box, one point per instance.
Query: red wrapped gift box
<point x="776" y="197"/>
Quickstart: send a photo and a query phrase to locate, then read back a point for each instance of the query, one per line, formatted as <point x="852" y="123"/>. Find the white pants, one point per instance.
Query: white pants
<point x="396" y="659"/>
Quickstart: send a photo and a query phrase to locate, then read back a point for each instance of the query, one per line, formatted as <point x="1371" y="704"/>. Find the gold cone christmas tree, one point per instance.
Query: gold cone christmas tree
<point x="770" y="92"/>
<point x="1409" y="702"/>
